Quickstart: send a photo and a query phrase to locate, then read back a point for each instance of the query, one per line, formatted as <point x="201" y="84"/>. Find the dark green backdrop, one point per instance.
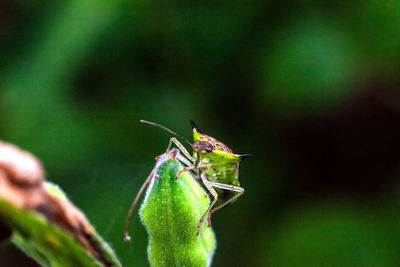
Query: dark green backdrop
<point x="311" y="88"/>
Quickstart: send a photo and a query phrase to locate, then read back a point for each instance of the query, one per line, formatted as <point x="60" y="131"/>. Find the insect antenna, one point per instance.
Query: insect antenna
<point x="127" y="238"/>
<point x="166" y="129"/>
<point x="152" y="174"/>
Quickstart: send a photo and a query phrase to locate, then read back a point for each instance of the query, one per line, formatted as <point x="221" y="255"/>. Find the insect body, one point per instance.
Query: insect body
<point x="215" y="164"/>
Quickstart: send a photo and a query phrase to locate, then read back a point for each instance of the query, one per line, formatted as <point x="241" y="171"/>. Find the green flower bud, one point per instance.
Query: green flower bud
<point x="171" y="212"/>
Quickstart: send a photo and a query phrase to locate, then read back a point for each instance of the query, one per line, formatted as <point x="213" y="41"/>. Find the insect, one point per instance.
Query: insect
<point x="214" y="163"/>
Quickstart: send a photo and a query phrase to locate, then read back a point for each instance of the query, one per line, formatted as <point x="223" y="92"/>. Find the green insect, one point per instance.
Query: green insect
<point x="214" y="163"/>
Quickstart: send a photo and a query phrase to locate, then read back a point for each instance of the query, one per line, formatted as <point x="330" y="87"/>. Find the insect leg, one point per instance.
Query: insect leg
<point x="185" y="161"/>
<point x="189" y="166"/>
<point x="146" y="182"/>
<point x="192" y="167"/>
<point x="238" y="189"/>
<point x="208" y="185"/>
<point x="181" y="148"/>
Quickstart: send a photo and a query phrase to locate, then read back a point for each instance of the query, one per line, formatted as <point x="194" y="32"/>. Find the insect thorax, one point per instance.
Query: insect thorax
<point x="222" y="170"/>
<point x="225" y="162"/>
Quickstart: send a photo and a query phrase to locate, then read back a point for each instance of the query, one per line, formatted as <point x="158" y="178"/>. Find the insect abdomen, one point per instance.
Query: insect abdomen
<point x="225" y="174"/>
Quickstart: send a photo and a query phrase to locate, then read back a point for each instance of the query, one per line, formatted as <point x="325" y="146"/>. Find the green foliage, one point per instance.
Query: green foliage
<point x="171" y="211"/>
<point x="309" y="65"/>
<point x="332" y="234"/>
<point x="45" y="242"/>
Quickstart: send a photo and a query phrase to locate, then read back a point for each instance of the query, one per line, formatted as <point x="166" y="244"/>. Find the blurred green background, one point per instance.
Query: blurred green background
<point x="311" y="88"/>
